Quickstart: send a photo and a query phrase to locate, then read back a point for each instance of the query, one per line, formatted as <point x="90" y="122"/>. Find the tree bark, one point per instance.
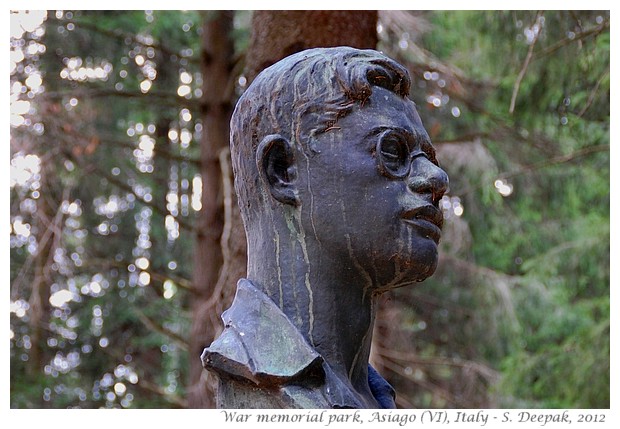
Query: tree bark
<point x="217" y="54"/>
<point x="277" y="34"/>
<point x="39" y="298"/>
<point x="48" y="220"/>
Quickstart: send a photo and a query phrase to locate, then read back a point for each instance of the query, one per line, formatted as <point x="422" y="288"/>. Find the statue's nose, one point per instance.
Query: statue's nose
<point x="427" y="179"/>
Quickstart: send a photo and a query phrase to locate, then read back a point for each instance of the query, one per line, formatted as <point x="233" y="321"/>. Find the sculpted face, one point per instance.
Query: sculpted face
<point x="370" y="194"/>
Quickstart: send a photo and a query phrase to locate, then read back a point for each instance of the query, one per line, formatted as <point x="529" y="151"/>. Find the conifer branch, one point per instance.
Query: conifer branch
<point x="155" y="327"/>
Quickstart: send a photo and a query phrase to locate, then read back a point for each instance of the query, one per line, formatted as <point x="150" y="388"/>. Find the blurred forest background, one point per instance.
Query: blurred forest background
<point x="125" y="243"/>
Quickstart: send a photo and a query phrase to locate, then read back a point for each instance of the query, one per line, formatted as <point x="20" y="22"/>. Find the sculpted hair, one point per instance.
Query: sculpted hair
<point x="300" y="97"/>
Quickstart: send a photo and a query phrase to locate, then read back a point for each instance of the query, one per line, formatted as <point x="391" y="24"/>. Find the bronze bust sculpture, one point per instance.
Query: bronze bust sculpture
<point x="338" y="187"/>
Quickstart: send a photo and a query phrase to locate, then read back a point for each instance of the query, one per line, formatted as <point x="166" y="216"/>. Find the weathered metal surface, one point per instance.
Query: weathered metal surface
<point x="338" y="187"/>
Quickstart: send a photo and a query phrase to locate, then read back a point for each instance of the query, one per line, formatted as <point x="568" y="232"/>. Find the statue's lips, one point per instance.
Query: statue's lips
<point x="427" y="219"/>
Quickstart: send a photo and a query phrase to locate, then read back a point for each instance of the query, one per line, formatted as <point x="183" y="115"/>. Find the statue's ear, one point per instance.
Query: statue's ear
<point x="275" y="159"/>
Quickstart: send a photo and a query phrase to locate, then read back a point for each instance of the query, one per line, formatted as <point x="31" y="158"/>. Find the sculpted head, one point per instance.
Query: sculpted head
<point x="330" y="154"/>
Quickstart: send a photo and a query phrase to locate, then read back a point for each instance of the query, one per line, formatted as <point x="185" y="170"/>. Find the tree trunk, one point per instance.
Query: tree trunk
<point x="39" y="298"/>
<point x="49" y="220"/>
<point x="217" y="53"/>
<point x="277" y="34"/>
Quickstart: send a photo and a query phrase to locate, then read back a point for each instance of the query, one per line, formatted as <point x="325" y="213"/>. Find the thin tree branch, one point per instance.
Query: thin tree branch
<point x="431" y="387"/>
<point x="127" y="188"/>
<point x="567" y="40"/>
<point x="162" y="277"/>
<point x="465" y="138"/>
<point x="52" y="231"/>
<point x="592" y="94"/>
<point x="123" y="35"/>
<point x="556" y="160"/>
<point x="487" y="372"/>
<point x="561" y="159"/>
<point x="89" y="167"/>
<point x="178" y="281"/>
<point x="89" y="92"/>
<point x="124" y="186"/>
<point x="159" y="150"/>
<point x="154" y="388"/>
<point x="153" y="326"/>
<point x="400" y="22"/>
<point x="526" y="63"/>
<point x="146" y="385"/>
<point x="470" y="267"/>
<point x="412" y="299"/>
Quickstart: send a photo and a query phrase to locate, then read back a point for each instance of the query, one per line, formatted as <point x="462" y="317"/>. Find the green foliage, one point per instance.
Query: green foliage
<point x="524" y="285"/>
<point x="125" y="195"/>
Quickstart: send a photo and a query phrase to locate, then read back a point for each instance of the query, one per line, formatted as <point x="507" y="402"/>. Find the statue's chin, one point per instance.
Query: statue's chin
<point x="407" y="272"/>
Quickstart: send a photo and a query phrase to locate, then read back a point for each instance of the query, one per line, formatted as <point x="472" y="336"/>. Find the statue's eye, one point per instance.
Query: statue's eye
<point x="393" y="155"/>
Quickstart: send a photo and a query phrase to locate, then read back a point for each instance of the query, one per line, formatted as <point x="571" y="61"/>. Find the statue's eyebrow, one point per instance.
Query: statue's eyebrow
<point x="374" y="132"/>
<point x="377" y="130"/>
<point x="411" y="134"/>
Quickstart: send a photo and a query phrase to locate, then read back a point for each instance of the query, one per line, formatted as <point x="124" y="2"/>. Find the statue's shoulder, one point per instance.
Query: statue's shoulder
<point x="263" y="361"/>
<point x="259" y="343"/>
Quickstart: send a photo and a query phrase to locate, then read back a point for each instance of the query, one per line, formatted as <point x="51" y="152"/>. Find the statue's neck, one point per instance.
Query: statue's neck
<point x="327" y="301"/>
